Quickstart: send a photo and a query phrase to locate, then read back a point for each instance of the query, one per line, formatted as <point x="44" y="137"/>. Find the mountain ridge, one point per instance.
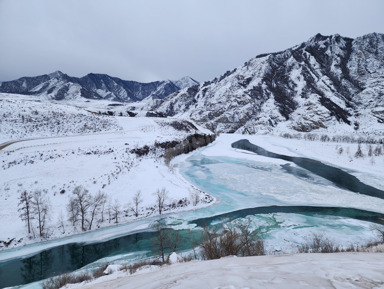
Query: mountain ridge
<point x="60" y="86"/>
<point x="327" y="81"/>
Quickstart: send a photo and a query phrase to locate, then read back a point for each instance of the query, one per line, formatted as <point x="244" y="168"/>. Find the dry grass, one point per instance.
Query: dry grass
<point x="60" y="281"/>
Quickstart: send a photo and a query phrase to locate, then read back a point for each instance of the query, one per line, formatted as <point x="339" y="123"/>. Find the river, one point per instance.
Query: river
<point x="284" y="202"/>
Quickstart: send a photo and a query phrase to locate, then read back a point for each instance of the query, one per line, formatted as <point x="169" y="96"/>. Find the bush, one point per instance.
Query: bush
<point x="60" y="281"/>
<point x="319" y="244"/>
<point x="239" y="241"/>
<point x="134" y="267"/>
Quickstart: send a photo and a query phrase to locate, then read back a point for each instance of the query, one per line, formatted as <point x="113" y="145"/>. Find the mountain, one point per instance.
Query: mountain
<point x="60" y="86"/>
<point x="328" y="82"/>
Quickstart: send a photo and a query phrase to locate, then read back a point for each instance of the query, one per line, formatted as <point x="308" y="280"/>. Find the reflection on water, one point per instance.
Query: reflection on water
<point x="67" y="258"/>
<point x="70" y="257"/>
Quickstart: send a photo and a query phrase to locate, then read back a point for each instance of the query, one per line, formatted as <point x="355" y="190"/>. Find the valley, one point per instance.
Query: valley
<point x="289" y="146"/>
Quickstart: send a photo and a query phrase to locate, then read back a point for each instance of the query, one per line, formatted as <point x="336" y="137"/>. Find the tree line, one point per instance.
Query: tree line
<point x="85" y="210"/>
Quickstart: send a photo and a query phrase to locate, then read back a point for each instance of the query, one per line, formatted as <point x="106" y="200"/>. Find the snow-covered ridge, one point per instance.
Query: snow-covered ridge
<point x="59" y="86"/>
<point x="329" y="84"/>
<point x="24" y="117"/>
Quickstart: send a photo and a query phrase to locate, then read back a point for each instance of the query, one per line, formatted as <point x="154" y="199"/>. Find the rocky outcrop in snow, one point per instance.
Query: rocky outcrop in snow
<point x="328" y="82"/>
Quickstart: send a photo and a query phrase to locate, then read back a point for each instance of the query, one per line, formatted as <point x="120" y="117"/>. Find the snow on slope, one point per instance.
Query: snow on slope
<point x="343" y="270"/>
<point x="329" y="84"/>
<point x="23" y="117"/>
<point x="106" y="161"/>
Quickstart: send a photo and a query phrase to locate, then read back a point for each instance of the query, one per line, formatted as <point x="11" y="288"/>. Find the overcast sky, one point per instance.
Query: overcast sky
<point x="147" y="40"/>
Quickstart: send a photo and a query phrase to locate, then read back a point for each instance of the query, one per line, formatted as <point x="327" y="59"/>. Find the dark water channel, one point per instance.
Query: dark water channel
<point x="70" y="257"/>
<point x="337" y="176"/>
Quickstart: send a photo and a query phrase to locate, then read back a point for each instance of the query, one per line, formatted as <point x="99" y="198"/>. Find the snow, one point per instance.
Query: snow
<point x="77" y="167"/>
<point x="321" y="151"/>
<point x="343" y="270"/>
<point x="174" y="258"/>
<point x="100" y="161"/>
<point x="185" y="82"/>
<point x="111" y="269"/>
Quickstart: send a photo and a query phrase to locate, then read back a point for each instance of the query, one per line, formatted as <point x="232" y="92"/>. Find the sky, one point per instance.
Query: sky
<point x="149" y="40"/>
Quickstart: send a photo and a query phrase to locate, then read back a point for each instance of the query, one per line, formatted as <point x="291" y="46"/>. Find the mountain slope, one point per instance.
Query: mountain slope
<point x="326" y="82"/>
<point x="59" y="86"/>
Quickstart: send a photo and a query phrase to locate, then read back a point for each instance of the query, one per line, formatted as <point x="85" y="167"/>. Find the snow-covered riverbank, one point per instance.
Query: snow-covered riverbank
<point x="343" y="270"/>
<point x="116" y="162"/>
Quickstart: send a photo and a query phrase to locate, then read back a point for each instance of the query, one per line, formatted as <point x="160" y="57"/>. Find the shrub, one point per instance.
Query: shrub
<point x="239" y="241"/>
<point x="319" y="244"/>
<point x="61" y="281"/>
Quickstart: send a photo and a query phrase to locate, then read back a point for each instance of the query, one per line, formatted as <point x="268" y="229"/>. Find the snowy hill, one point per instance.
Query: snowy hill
<point x="345" y="270"/>
<point x="53" y="147"/>
<point x="59" y="86"/>
<point x="327" y="84"/>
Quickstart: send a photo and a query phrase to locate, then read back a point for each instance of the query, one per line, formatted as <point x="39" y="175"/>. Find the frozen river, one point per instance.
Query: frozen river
<point x="286" y="203"/>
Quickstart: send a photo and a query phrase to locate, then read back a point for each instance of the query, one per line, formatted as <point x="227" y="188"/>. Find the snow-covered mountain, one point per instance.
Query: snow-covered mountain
<point x="327" y="83"/>
<point x="60" y="86"/>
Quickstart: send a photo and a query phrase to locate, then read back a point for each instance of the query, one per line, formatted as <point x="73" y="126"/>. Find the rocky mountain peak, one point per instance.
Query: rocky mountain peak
<point x="60" y="86"/>
<point x="327" y="81"/>
<point x="57" y="74"/>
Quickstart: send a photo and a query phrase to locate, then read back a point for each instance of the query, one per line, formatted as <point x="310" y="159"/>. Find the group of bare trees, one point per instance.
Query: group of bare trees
<point x="370" y="150"/>
<point x="34" y="206"/>
<point x="235" y="240"/>
<point x="84" y="208"/>
<point x="334" y="138"/>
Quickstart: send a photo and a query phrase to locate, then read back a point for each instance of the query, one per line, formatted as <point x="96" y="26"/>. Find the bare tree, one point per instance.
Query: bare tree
<point x="73" y="210"/>
<point x="40" y="208"/>
<point x="95" y="206"/>
<point x="61" y="223"/>
<point x="195" y="196"/>
<point x="370" y="150"/>
<point x="166" y="240"/>
<point x="377" y="150"/>
<point x="25" y="208"/>
<point x="81" y="202"/>
<point x="251" y="243"/>
<point x="161" y="196"/>
<point x="159" y="242"/>
<point x="116" y="210"/>
<point x="109" y="210"/>
<point x="359" y="152"/>
<point x="379" y="230"/>
<point x="137" y="200"/>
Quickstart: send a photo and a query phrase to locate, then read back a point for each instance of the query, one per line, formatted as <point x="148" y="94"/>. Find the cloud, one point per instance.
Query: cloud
<point x="151" y="40"/>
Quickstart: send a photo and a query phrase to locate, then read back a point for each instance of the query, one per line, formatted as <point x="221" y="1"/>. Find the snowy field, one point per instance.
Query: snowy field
<point x="103" y="160"/>
<point x="346" y="270"/>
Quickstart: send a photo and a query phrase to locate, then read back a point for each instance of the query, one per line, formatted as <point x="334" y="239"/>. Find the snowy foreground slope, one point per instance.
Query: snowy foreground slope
<point x="117" y="156"/>
<point x="346" y="270"/>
